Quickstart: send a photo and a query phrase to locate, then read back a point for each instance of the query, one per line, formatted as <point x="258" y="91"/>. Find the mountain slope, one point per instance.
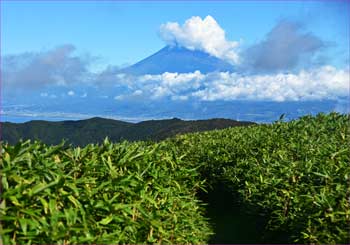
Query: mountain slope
<point x="78" y="132"/>
<point x="178" y="59"/>
<point x="94" y="130"/>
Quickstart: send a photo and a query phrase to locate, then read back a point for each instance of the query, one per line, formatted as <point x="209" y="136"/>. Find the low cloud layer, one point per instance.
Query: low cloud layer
<point x="201" y="34"/>
<point x="316" y="84"/>
<point x="172" y="84"/>
<point x="285" y="48"/>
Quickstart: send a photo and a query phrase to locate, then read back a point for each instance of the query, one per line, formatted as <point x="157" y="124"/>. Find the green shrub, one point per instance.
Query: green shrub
<point x="112" y="193"/>
<point x="295" y="173"/>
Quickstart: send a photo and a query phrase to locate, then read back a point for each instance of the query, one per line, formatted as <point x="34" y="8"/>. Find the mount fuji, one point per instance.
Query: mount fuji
<point x="180" y="60"/>
<point x="174" y="59"/>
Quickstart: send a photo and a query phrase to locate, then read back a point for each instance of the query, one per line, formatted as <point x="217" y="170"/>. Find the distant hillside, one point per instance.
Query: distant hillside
<point x="178" y="59"/>
<point x="94" y="130"/>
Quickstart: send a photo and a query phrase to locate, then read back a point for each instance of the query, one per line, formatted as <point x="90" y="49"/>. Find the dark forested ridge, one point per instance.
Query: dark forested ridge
<point x="94" y="130"/>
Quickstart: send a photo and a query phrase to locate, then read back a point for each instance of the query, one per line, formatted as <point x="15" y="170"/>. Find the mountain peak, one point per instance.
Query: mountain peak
<point x="178" y="59"/>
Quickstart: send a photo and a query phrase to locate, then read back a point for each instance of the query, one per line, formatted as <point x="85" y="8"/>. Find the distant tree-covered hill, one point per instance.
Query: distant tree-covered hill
<point x="94" y="130"/>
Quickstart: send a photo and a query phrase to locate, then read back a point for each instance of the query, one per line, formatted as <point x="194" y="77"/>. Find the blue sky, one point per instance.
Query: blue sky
<point x="122" y="33"/>
<point x="65" y="58"/>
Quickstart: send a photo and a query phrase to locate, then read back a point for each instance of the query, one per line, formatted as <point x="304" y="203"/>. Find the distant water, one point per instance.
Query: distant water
<point x="259" y="112"/>
<point x="21" y="119"/>
<point x="27" y="118"/>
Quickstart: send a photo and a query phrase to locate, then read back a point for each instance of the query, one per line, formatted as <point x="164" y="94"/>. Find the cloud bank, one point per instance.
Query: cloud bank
<point x="326" y="82"/>
<point x="323" y="83"/>
<point x="201" y="34"/>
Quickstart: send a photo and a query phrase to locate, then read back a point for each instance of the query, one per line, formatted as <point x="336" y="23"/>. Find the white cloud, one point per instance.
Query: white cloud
<point x="160" y="92"/>
<point x="119" y="97"/>
<point x="83" y="95"/>
<point x="201" y="34"/>
<point x="138" y="92"/>
<point x="168" y="84"/>
<point x="70" y="93"/>
<point x="44" y="94"/>
<point x="325" y="82"/>
<point x="175" y="80"/>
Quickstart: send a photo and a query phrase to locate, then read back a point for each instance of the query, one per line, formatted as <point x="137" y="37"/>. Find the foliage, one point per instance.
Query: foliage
<point x="109" y="193"/>
<point x="297" y="173"/>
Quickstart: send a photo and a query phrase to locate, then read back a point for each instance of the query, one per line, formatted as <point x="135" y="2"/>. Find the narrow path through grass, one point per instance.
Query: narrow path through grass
<point x="230" y="222"/>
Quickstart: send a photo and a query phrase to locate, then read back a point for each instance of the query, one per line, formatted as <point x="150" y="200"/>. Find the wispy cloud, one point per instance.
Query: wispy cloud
<point x="34" y="70"/>
<point x="285" y="47"/>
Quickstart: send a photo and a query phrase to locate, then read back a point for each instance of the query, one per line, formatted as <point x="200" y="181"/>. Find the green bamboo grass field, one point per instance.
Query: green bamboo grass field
<point x="295" y="175"/>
